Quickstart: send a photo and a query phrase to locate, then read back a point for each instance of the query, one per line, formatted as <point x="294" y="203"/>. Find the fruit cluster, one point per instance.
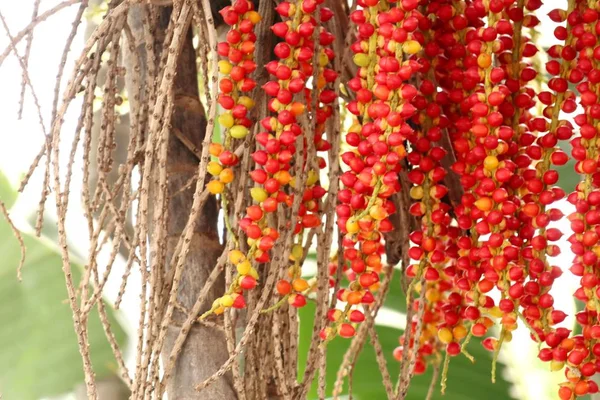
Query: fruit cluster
<point x="386" y="35"/>
<point x="304" y="53"/>
<point x="447" y="92"/>
<point x="235" y="82"/>
<point x="580" y="62"/>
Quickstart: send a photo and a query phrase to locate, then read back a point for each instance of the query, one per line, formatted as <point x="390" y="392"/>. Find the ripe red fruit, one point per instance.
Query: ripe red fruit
<point x="248" y="282"/>
<point x="346" y="330"/>
<point x="297" y="300"/>
<point x="356" y="316"/>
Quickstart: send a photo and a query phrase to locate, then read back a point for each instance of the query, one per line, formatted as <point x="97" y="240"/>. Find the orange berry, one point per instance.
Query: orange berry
<point x="484" y="60"/>
<point x="283" y="177"/>
<point x="459" y="332"/>
<point x="565" y="393"/>
<point x="484" y="204"/>
<point x="283" y="287"/>
<point x="226" y="176"/>
<point x="297" y="108"/>
<point x="354" y="298"/>
<point x="215" y="149"/>
<point x="300" y="285"/>
<point x="581" y="388"/>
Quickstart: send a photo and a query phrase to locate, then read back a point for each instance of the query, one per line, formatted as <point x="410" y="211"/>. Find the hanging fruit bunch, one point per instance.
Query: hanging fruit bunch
<point x="302" y="27"/>
<point x="448" y="94"/>
<point x="235" y="84"/>
<point x="385" y="35"/>
<point x="579" y="66"/>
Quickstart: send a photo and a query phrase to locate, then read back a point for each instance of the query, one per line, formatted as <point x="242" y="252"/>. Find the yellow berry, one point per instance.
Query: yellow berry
<point x="215" y="187"/>
<point x="432" y="295"/>
<point x="297" y="252"/>
<point x="236" y="257"/>
<point x="312" y="178"/>
<point x="323" y="59"/>
<point x="411" y="47"/>
<point x="226" y="301"/>
<point x="417" y="192"/>
<point x="556" y="365"/>
<point x="225" y="67"/>
<point x="214" y="168"/>
<point x="361" y="59"/>
<point x="377" y="212"/>
<point x="226" y="120"/>
<point x="276" y="105"/>
<point x="246" y="102"/>
<point x="253" y="273"/>
<point x="355" y="128"/>
<point x="258" y="194"/>
<point x="490" y="163"/>
<point x="496" y="312"/>
<point x="352" y="226"/>
<point x="238" y="131"/>
<point x="244" y="267"/>
<point x="445" y="335"/>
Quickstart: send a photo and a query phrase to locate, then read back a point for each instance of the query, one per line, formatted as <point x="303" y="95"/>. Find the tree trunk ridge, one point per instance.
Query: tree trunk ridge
<point x="205" y="349"/>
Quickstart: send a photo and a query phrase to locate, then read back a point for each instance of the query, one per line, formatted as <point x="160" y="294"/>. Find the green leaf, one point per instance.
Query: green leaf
<point x="7" y="194"/>
<point x="568" y="178"/>
<point x="396" y="298"/>
<point x="39" y="356"/>
<point x="466" y="381"/>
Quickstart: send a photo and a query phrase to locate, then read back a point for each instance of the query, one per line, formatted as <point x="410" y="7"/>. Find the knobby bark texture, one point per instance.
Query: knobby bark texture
<point x="205" y="349"/>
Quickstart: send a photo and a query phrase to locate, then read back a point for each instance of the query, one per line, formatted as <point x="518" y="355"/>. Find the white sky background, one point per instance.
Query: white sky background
<point x="22" y="140"/>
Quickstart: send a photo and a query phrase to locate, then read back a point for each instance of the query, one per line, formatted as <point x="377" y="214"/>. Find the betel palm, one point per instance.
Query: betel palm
<point x="420" y="138"/>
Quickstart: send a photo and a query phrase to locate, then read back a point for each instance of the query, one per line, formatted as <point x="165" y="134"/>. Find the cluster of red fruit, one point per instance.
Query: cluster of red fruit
<point x="481" y="61"/>
<point x="304" y="52"/>
<point x="580" y="65"/>
<point x="386" y="35"/>
<point x="428" y="71"/>
<point x="478" y="85"/>
<point x="235" y="82"/>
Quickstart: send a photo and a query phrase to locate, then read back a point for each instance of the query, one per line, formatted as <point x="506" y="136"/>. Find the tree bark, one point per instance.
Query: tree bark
<point x="205" y="349"/>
